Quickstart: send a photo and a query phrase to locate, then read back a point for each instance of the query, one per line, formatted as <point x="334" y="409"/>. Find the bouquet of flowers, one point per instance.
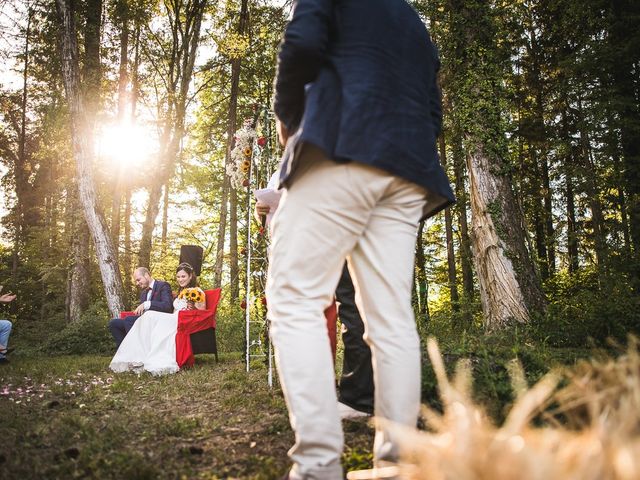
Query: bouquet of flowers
<point x="241" y="154"/>
<point x="194" y="295"/>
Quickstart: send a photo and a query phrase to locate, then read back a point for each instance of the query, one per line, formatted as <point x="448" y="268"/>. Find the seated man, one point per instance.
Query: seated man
<point x="155" y="295"/>
<point x="5" y="330"/>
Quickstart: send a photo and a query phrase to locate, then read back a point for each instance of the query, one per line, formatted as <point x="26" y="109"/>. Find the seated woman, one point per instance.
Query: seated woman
<point x="151" y="344"/>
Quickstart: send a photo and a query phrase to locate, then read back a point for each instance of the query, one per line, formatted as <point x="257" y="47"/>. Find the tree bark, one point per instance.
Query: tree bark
<point x="234" y="268"/>
<point x="462" y="202"/>
<point x="123" y="80"/>
<point x="227" y="194"/>
<point x="20" y="160"/>
<point x="548" y="217"/>
<point x="80" y="271"/>
<point x="595" y="205"/>
<point x="81" y="133"/>
<point x="224" y="201"/>
<point x="165" y="219"/>
<point x="508" y="288"/>
<point x="625" y="25"/>
<point x="572" y="228"/>
<point x="421" y="277"/>
<point x="126" y="261"/>
<point x="451" y="254"/>
<point x="80" y="261"/>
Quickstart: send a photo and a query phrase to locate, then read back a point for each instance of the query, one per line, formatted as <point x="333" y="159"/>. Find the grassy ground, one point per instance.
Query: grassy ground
<point x="70" y="417"/>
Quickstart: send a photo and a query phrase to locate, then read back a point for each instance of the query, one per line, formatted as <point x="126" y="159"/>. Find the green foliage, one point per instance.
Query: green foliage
<point x="230" y="328"/>
<point x="490" y="356"/>
<point x="87" y="336"/>
<point x="67" y="417"/>
<point x="586" y="308"/>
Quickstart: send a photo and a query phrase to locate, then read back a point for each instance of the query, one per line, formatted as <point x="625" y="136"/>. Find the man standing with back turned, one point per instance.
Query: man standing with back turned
<point x="359" y="109"/>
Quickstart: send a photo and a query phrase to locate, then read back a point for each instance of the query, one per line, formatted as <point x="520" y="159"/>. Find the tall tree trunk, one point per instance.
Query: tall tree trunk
<point x="595" y="205"/>
<point x="421" y="277"/>
<point x="535" y="195"/>
<point x="234" y="268"/>
<point x="165" y="219"/>
<point x="91" y="70"/>
<point x="80" y="262"/>
<point x="622" y="204"/>
<point x="509" y="284"/>
<point x="20" y="175"/>
<point x="451" y="254"/>
<point x="135" y="77"/>
<point x="509" y="289"/>
<point x="80" y="271"/>
<point x="123" y="70"/>
<point x="126" y="261"/>
<point x="540" y="147"/>
<point x="227" y="194"/>
<point x="625" y="25"/>
<point x="548" y="217"/>
<point x="572" y="229"/>
<point x="82" y="142"/>
<point x="123" y="81"/>
<point x="462" y="202"/>
<point x="224" y="201"/>
<point x="568" y="161"/>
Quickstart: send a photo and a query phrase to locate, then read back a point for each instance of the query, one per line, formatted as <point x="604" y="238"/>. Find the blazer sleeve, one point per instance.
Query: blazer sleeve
<point x="163" y="300"/>
<point x="303" y="51"/>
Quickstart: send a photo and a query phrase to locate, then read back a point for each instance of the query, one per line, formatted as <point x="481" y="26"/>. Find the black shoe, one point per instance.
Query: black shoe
<point x="7" y="351"/>
<point x="4" y="360"/>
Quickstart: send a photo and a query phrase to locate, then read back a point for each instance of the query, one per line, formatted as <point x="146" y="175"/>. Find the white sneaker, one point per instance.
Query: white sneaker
<point x="348" y="413"/>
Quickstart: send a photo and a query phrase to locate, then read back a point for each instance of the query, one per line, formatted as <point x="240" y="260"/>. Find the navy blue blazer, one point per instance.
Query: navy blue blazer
<point x="161" y="297"/>
<point x="357" y="78"/>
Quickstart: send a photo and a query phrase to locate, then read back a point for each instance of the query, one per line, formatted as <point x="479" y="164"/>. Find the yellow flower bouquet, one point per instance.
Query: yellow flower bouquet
<point x="194" y="295"/>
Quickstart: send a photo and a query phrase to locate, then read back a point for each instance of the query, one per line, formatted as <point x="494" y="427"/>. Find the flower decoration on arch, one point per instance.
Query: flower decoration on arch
<point x="241" y="155"/>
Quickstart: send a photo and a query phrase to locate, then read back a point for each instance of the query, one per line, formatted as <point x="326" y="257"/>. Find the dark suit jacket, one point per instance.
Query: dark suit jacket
<point x="357" y="78"/>
<point x="161" y="297"/>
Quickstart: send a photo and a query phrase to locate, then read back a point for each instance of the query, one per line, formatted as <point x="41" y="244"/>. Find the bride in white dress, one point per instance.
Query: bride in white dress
<point x="150" y="345"/>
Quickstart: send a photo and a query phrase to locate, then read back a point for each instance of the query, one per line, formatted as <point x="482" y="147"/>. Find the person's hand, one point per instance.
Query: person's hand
<point x="283" y="133"/>
<point x="139" y="309"/>
<point x="191" y="305"/>
<point x="262" y="208"/>
<point x="7" y="297"/>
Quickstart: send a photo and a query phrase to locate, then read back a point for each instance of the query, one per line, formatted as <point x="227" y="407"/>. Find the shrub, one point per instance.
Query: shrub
<point x="89" y="335"/>
<point x="230" y="328"/>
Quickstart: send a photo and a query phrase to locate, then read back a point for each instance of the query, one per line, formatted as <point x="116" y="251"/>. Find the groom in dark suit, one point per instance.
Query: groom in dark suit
<point x="356" y="92"/>
<point x="155" y="295"/>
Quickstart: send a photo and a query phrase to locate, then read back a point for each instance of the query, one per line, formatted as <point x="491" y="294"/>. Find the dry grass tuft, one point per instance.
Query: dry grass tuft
<point x="591" y="432"/>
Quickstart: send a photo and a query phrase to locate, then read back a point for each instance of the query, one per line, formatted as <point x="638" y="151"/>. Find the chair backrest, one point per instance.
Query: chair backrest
<point x="212" y="299"/>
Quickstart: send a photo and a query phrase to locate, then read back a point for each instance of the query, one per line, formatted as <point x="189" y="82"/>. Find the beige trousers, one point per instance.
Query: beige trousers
<point x="331" y="212"/>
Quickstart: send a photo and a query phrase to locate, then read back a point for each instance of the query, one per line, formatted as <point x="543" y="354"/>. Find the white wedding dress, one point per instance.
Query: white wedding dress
<point x="150" y="345"/>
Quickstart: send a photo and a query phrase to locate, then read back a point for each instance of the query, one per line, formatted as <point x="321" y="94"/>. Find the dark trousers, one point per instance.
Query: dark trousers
<point x="119" y="327"/>
<point x="356" y="382"/>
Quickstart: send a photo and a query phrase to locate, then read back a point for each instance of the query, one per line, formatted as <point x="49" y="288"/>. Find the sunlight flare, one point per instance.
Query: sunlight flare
<point x="126" y="144"/>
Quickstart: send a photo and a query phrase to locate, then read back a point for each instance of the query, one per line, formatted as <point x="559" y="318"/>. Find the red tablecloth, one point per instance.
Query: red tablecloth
<point x="192" y="321"/>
